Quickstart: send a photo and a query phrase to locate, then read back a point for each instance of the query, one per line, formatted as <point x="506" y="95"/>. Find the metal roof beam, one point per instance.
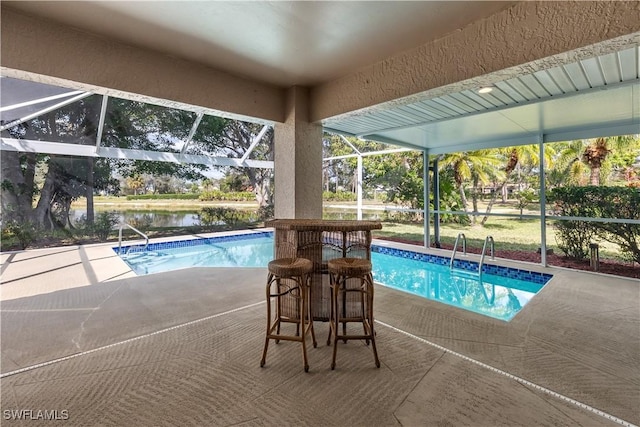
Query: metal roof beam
<point x="349" y="143"/>
<point x="338" y="132"/>
<point x="47" y="147"/>
<point x="192" y="132"/>
<point x="371" y="153"/>
<point x="103" y="114"/>
<point x="40" y="100"/>
<point x="255" y="142"/>
<point x="44" y="111"/>
<point x="387" y="140"/>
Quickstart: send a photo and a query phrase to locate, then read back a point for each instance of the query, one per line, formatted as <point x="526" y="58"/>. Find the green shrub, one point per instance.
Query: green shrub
<point x="598" y="202"/>
<point x="101" y="226"/>
<point x="23" y="233"/>
<point x="186" y="196"/>
<point x="234" y="196"/>
<point x="266" y="212"/>
<point x="524" y="198"/>
<point x="104" y="223"/>
<point x="339" y="196"/>
<point x="573" y="238"/>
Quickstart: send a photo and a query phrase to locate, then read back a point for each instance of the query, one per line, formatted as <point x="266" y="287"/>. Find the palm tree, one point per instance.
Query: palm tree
<point x="581" y="156"/>
<point x="514" y="156"/>
<point x="135" y="183"/>
<point x="470" y="165"/>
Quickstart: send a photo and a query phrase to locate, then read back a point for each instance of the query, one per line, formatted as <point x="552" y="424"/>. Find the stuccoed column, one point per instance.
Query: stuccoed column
<point x="298" y="160"/>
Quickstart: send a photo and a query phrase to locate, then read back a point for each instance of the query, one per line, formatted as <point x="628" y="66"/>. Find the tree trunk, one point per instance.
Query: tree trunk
<point x="594" y="176"/>
<point x="510" y="167"/>
<point x="474" y="202"/>
<point x="494" y="197"/>
<point x="594" y="155"/>
<point x="263" y="195"/>
<point x="43" y="207"/>
<point x="66" y="210"/>
<point x="465" y="202"/>
<point x="29" y="178"/>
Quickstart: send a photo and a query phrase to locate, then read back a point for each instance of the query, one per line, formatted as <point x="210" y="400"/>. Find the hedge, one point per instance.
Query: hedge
<point x="340" y="196"/>
<point x="187" y="196"/>
<point x="574" y="236"/>
<point x="234" y="196"/>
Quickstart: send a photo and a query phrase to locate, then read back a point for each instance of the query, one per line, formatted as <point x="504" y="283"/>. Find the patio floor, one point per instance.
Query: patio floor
<point x="83" y="336"/>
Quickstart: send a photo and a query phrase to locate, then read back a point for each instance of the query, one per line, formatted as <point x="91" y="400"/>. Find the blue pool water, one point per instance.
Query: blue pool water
<point x="500" y="292"/>
<point x="249" y="250"/>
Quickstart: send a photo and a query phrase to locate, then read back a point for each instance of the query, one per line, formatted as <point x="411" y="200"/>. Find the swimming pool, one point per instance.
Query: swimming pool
<point x="500" y="292"/>
<point x="238" y="250"/>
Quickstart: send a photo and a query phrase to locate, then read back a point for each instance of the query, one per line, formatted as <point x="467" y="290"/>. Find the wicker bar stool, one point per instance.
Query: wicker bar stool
<point x="351" y="301"/>
<point x="288" y="289"/>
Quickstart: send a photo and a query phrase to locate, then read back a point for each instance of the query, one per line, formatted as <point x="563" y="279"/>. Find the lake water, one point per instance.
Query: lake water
<point x="152" y="218"/>
<point x="161" y="218"/>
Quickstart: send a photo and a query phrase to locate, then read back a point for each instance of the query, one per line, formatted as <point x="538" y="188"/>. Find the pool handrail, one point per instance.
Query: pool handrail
<point x="122" y="225"/>
<point x="484" y="250"/>
<point x="455" y="248"/>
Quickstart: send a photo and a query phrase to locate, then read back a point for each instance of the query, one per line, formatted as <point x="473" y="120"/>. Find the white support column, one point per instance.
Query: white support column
<point x="358" y="176"/>
<point x="427" y="213"/>
<point x="359" y="187"/>
<point x="543" y="203"/>
<point x="436" y="203"/>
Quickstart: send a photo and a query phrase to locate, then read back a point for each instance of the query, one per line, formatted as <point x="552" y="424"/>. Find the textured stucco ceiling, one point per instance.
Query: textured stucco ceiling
<point x="425" y="61"/>
<point x="278" y="42"/>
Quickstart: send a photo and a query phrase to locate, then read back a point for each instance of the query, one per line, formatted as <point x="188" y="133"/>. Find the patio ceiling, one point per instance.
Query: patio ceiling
<point x="308" y="43"/>
<point x="284" y="43"/>
<point x="598" y="96"/>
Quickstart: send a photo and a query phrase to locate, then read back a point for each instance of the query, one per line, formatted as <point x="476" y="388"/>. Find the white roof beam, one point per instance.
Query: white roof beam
<point x="44" y="111"/>
<point x="349" y="143"/>
<point x="255" y="142"/>
<point x="192" y="132"/>
<point x="47" y="147"/>
<point x="40" y="100"/>
<point x="103" y="114"/>
<point x="370" y="153"/>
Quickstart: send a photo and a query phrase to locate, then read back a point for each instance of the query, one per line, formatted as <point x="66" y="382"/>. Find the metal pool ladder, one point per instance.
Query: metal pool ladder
<point x="455" y="248"/>
<point x="124" y="224"/>
<point x="489" y="240"/>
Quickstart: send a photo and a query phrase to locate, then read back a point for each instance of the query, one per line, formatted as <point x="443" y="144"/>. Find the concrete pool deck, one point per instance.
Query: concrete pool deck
<point x="82" y="334"/>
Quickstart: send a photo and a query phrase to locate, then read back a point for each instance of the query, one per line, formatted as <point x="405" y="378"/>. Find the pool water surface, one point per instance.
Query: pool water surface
<point x="498" y="292"/>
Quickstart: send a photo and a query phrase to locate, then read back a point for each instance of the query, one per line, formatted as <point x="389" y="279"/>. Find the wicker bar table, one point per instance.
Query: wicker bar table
<point x="320" y="240"/>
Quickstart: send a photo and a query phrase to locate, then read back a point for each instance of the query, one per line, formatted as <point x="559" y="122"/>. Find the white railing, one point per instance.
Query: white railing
<point x="489" y="240"/>
<point x="455" y="248"/>
<point x="124" y="224"/>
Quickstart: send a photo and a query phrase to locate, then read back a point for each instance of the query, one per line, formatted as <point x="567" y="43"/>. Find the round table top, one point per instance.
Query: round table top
<point x="323" y="225"/>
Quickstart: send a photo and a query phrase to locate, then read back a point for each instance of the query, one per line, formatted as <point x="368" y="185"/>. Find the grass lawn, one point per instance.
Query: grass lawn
<point x="508" y="234"/>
